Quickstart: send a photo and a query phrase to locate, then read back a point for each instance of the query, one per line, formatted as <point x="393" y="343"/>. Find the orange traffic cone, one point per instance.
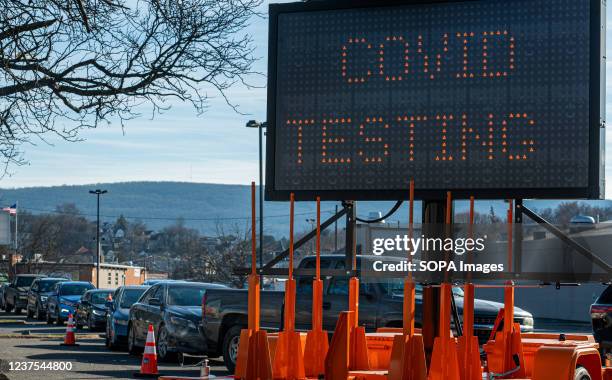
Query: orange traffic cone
<point x="70" y="339"/>
<point x="148" y="367"/>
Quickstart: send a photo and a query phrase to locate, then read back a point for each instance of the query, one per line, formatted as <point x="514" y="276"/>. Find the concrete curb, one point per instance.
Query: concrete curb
<point x="47" y="336"/>
<point x="12" y="322"/>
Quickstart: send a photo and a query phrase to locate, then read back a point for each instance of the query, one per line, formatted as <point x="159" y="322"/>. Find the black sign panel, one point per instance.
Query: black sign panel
<point x="494" y="99"/>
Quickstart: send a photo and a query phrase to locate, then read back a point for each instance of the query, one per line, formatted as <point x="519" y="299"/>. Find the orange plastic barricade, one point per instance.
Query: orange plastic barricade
<point x="316" y="339"/>
<point x="70" y="338"/>
<point x="469" y="351"/>
<point x="444" y="358"/>
<point x="148" y="367"/>
<point x="408" y="352"/>
<point x="288" y="363"/>
<point x="253" y="362"/>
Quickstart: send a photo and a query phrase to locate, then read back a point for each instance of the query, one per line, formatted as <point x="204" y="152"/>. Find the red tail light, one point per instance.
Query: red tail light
<point x="599" y="311"/>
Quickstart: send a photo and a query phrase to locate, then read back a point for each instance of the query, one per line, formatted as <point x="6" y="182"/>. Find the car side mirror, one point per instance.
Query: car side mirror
<point x="155" y="302"/>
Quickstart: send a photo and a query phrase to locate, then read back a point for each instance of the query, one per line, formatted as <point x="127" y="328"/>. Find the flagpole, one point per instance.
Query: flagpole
<point x="16" y="226"/>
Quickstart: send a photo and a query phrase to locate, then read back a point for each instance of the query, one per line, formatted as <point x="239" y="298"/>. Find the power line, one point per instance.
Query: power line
<point x="167" y="218"/>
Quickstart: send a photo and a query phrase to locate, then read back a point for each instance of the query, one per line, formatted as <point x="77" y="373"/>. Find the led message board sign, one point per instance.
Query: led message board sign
<point x="496" y="99"/>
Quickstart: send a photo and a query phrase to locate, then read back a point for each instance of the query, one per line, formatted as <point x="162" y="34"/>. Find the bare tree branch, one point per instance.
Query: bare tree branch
<point x="69" y="65"/>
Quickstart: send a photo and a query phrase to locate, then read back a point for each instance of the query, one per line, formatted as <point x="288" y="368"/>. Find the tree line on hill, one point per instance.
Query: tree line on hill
<point x="184" y="253"/>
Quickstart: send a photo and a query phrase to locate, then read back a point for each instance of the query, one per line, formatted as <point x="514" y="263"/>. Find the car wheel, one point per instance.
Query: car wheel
<point x="162" y="345"/>
<point x="230" y="347"/>
<point x="90" y="323"/>
<point x="108" y="340"/>
<point x="77" y="324"/>
<point x="582" y="374"/>
<point x="49" y="319"/>
<point x="39" y="316"/>
<point x="132" y="348"/>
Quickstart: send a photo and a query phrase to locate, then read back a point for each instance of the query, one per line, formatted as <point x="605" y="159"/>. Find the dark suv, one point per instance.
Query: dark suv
<point x="39" y="292"/>
<point x="601" y="316"/>
<point x="16" y="294"/>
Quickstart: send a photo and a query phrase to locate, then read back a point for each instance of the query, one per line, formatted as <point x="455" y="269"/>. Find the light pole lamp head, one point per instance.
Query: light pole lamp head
<point x="98" y="192"/>
<point x="256" y="124"/>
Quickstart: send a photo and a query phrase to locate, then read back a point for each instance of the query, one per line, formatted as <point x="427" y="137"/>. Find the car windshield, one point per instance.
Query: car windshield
<point x="130" y="296"/>
<point x="74" y="289"/>
<point x="395" y="287"/>
<point x="24" y="281"/>
<point x="185" y="295"/>
<point x="99" y="298"/>
<point x="606" y="296"/>
<point x="47" y="286"/>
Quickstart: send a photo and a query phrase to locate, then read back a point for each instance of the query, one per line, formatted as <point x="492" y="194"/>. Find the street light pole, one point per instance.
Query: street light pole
<point x="260" y="127"/>
<point x="98" y="192"/>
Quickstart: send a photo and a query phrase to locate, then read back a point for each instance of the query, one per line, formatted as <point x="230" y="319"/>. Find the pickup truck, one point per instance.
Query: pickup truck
<point x="224" y="311"/>
<point x="16" y="293"/>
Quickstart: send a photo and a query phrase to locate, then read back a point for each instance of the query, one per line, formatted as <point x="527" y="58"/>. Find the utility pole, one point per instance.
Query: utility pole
<point x="260" y="126"/>
<point x="98" y="192"/>
<point x="336" y="232"/>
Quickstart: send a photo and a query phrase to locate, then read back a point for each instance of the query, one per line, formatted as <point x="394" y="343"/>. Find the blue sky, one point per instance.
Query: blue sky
<point x="180" y="145"/>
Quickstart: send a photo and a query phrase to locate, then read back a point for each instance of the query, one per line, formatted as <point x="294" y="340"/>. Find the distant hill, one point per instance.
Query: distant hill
<point x="203" y="206"/>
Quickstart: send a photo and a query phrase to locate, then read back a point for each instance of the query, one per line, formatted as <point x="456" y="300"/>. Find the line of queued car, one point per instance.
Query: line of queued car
<point x="174" y="308"/>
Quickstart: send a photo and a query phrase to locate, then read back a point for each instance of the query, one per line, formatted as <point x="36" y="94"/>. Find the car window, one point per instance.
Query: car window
<point x="159" y="293"/>
<point x="148" y="294"/>
<point x="129" y="297"/>
<point x="185" y="295"/>
<point x="99" y="298"/>
<point x="606" y="296"/>
<point x="74" y="289"/>
<point x="47" y="285"/>
<point x="339" y="287"/>
<point x="310" y="263"/>
<point x="24" y="281"/>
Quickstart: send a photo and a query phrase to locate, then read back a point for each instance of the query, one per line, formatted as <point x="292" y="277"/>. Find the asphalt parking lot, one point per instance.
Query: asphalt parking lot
<point x="24" y="340"/>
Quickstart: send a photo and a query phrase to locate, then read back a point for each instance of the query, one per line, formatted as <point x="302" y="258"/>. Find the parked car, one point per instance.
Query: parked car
<point x="601" y="317"/>
<point x="38" y="295"/>
<point x="175" y="311"/>
<point x="380" y="305"/>
<point x="91" y="309"/>
<point x="118" y="314"/>
<point x="64" y="299"/>
<point x="155" y="281"/>
<point x="2" y="288"/>
<point x="16" y="294"/>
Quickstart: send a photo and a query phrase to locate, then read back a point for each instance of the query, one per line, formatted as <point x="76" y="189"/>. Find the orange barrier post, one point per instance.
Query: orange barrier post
<point x="288" y="360"/>
<point x="408" y="352"/>
<point x="253" y="362"/>
<point x="316" y="339"/>
<point x="148" y="367"/>
<point x="469" y="352"/>
<point x="348" y="350"/>
<point x="70" y="339"/>
<point x="444" y="358"/>
<point x="507" y="345"/>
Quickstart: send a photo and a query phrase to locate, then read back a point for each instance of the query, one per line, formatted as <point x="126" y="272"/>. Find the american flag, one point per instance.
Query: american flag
<point x="11" y="209"/>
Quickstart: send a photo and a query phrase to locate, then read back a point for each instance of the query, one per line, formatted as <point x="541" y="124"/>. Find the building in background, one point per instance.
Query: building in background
<point x="111" y="275"/>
